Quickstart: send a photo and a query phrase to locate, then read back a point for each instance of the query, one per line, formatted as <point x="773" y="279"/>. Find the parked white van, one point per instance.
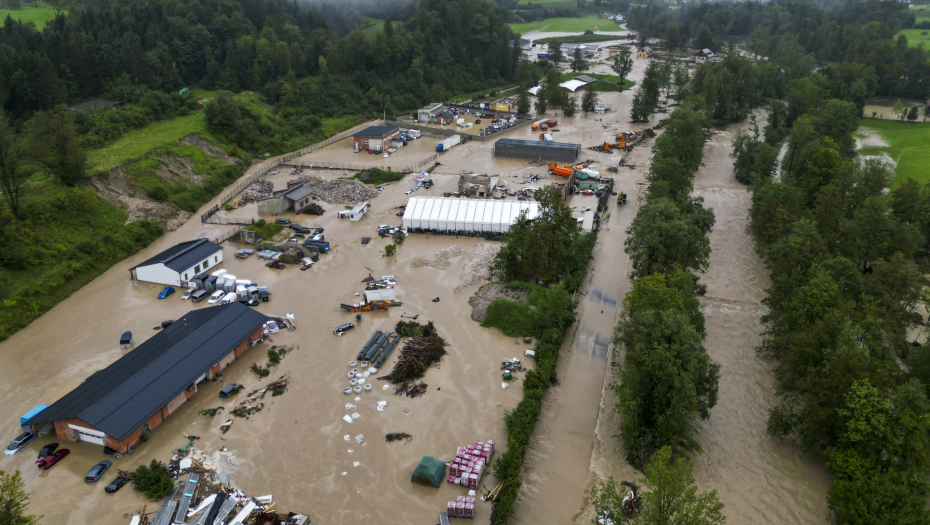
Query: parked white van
<point x="231" y="297"/>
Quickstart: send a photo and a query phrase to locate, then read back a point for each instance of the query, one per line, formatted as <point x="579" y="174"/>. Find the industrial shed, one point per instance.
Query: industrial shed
<point x="465" y="215"/>
<point x="119" y="405"/>
<point x="532" y="149"/>
<point x="180" y="263"/>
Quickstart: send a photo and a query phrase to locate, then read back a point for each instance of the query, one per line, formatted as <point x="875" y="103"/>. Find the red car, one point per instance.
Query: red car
<point x="49" y="461"/>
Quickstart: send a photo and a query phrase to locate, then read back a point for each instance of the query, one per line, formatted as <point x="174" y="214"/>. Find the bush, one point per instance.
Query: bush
<point x="259" y="370"/>
<point x="274" y="358"/>
<point x="228" y="207"/>
<point x="390" y="250"/>
<point x="153" y="480"/>
<point x="158" y="193"/>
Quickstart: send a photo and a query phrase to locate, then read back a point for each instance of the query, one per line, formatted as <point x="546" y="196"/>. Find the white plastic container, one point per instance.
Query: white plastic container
<point x="219" y="273"/>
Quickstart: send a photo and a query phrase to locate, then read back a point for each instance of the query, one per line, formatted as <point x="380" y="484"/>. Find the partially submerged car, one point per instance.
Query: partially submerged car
<point x="187" y="295"/>
<point x="217" y="295"/>
<point x="97" y="471"/>
<point x="21" y="441"/>
<point x="47" y="449"/>
<point x="342" y="328"/>
<point x="49" y="461"/>
<point x="116" y="484"/>
<point x="165" y="292"/>
<point x="229" y="390"/>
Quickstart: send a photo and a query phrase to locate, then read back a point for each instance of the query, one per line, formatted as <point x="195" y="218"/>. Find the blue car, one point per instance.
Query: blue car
<point x="166" y="292"/>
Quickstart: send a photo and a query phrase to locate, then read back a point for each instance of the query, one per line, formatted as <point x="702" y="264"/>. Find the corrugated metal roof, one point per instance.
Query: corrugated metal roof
<point x="298" y="193"/>
<point x="375" y="131"/>
<point x="123" y="396"/>
<point x="538" y="144"/>
<point x="182" y="256"/>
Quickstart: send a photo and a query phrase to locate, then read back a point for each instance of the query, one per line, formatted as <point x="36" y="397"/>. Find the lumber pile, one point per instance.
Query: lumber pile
<point x="418" y="354"/>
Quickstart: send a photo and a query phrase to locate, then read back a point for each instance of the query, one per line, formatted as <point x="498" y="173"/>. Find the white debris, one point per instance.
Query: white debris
<point x="347" y="418"/>
<point x="505" y="384"/>
<point x="357" y="399"/>
<point x="530" y="353"/>
<point x="347" y="437"/>
<point x="356" y="464"/>
<point x="385" y="387"/>
<point x="360" y="438"/>
<point x="350" y="406"/>
<point x="355" y="415"/>
<point x="344" y="473"/>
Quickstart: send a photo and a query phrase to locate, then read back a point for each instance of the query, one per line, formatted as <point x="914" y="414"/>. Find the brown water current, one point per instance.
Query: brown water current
<point x="295" y="448"/>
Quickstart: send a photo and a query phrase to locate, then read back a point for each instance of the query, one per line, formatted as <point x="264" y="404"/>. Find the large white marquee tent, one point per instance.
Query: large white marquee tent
<point x="470" y="215"/>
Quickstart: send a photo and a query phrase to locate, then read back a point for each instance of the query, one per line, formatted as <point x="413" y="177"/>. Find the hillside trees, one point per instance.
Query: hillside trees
<point x="53" y="143"/>
<point x="647" y="97"/>
<point x="13" y="174"/>
<point x="622" y="63"/>
<point x="13" y="501"/>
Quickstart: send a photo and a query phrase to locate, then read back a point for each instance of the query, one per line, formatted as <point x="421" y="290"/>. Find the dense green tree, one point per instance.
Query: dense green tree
<point x="667" y="379"/>
<point x="523" y="100"/>
<point x="13" y="174"/>
<point x="53" y="143"/>
<point x="670" y="496"/>
<point x="673" y="37"/>
<point x="705" y="39"/>
<point x="555" y="51"/>
<point x="881" y="499"/>
<point x="647" y="97"/>
<point x="570" y="107"/>
<point x="579" y="63"/>
<point x="589" y="99"/>
<point x="661" y="238"/>
<point x="622" y="63"/>
<point x="14" y="500"/>
<point x="153" y="480"/>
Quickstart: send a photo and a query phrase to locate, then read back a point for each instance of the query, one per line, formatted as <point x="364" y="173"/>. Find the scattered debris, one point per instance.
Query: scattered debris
<point x="411" y="389"/>
<point x="338" y="191"/>
<point x="418" y="354"/>
<point x="440" y="260"/>
<point x="477" y="268"/>
<point x="260" y="190"/>
<point x="313" y="209"/>
<point x="397" y="436"/>
<point x="512" y="365"/>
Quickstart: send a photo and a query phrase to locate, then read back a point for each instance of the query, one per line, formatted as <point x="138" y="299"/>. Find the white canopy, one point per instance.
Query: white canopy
<point x="480" y="215"/>
<point x="573" y="84"/>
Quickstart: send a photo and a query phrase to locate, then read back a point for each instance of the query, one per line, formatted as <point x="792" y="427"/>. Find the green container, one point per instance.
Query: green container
<point x="508" y="375"/>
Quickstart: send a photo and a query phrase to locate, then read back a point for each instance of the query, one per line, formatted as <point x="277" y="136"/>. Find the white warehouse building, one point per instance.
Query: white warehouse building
<point x="180" y="263"/>
<point x="465" y="215"/>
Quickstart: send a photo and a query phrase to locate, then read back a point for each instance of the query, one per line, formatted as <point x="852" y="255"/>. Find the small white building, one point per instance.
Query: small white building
<point x="356" y="213"/>
<point x="179" y="264"/>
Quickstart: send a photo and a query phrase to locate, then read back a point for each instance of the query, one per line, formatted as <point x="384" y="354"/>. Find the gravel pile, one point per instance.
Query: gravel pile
<point x="477" y="268"/>
<point x="256" y="192"/>
<point x="339" y="190"/>
<point x="440" y="260"/>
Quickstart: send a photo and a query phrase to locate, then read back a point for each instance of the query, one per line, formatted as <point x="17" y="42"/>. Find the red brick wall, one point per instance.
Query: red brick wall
<point x="136" y="437"/>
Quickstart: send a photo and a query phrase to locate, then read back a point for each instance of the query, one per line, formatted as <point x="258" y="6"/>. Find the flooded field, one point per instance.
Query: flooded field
<point x="343" y="153"/>
<point x="295" y="448"/>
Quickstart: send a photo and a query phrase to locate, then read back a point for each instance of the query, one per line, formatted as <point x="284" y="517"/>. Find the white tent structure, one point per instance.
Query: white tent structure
<point x="465" y="215"/>
<point x="573" y="84"/>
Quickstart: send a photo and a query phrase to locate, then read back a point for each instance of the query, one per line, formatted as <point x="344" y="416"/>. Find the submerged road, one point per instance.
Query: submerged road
<point x="556" y="469"/>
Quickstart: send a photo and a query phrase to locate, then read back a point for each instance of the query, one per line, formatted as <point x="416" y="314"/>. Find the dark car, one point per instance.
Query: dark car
<point x="47" y="449"/>
<point x="97" y="472"/>
<point x="229" y="390"/>
<point x="341" y="329"/>
<point x="249" y="302"/>
<point x="53" y="458"/>
<point x="116" y="484"/>
<point x="282" y="221"/>
<point x="19" y="443"/>
<point x="318" y="231"/>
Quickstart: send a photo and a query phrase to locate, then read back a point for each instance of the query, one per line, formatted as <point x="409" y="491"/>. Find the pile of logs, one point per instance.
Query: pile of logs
<point x="418" y="354"/>
<point x="313" y="209"/>
<point x="397" y="436"/>
<point x="411" y="389"/>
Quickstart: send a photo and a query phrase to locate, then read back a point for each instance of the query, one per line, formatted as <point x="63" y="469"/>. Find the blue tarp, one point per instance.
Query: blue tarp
<point x="31" y="414"/>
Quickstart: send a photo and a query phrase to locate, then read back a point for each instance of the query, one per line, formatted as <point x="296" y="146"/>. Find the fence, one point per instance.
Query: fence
<point x="225" y="221"/>
<point x="270" y="165"/>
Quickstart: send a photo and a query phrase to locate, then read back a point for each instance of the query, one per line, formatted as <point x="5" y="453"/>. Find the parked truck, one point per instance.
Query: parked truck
<point x="449" y="143"/>
<point x="552" y="123"/>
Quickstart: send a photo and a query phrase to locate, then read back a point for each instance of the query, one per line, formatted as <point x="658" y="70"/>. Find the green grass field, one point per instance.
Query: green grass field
<point x="915" y="36"/>
<point x="908" y="145"/>
<point x="137" y="143"/>
<point x="573" y="3"/>
<point x="604" y="82"/>
<point x="37" y="15"/>
<point x="376" y="25"/>
<point x="567" y="25"/>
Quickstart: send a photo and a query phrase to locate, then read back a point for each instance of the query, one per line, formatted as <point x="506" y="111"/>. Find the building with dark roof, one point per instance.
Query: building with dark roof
<point x="537" y="149"/>
<point x="119" y="405"/>
<point x="180" y="263"/>
<point x="445" y="118"/>
<point x="375" y="138"/>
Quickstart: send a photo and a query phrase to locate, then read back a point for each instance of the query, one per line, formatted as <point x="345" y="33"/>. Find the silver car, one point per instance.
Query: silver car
<point x="19" y="443"/>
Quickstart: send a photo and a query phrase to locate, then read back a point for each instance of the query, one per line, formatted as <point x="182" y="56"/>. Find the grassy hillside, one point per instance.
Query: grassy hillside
<point x="551" y="4"/>
<point x="915" y="37"/>
<point x="64" y="239"/>
<point x="567" y="25"/>
<point x="37" y="15"/>
<point x="908" y="145"/>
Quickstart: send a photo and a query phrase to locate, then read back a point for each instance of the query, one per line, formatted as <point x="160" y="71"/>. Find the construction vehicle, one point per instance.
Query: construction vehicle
<point x="376" y="305"/>
<point x="621" y="140"/>
<point x="494" y="119"/>
<point x="543" y="127"/>
<point x="535" y="126"/>
<point x="621" y="198"/>
<point x="563" y="171"/>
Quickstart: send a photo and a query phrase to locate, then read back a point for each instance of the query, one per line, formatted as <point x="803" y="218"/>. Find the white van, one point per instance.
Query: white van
<point x="230" y="298"/>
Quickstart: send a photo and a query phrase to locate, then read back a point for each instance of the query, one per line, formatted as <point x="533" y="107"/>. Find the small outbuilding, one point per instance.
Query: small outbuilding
<point x="430" y="471"/>
<point x="445" y="118"/>
<point x="644" y="52"/>
<point x="180" y="263"/>
<point x="472" y="185"/>
<point x="375" y="138"/>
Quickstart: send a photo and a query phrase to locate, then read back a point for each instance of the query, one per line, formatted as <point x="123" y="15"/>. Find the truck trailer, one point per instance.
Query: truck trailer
<point x="449" y="143"/>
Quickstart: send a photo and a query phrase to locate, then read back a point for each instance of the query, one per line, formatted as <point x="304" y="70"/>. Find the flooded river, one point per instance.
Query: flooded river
<point x="295" y="448"/>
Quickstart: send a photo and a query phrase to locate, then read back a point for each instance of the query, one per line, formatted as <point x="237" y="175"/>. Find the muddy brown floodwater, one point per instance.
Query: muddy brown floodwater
<point x="295" y="448"/>
<point x="760" y="480"/>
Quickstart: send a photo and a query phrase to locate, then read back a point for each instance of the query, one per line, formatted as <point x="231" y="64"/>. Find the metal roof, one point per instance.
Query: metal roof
<point x="298" y="193"/>
<point x="123" y="396"/>
<point x="375" y="131"/>
<point x="538" y="144"/>
<point x="182" y="256"/>
<point x="586" y="79"/>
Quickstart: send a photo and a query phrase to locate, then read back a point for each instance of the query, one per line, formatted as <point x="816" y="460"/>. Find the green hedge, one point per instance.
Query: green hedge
<point x="549" y="330"/>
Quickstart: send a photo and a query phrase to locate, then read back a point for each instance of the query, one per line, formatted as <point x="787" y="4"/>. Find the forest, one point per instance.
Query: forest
<point x="847" y="250"/>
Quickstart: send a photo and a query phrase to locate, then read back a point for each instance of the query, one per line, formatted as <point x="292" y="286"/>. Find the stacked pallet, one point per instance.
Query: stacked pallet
<point x="469" y="464"/>
<point x="463" y="507"/>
